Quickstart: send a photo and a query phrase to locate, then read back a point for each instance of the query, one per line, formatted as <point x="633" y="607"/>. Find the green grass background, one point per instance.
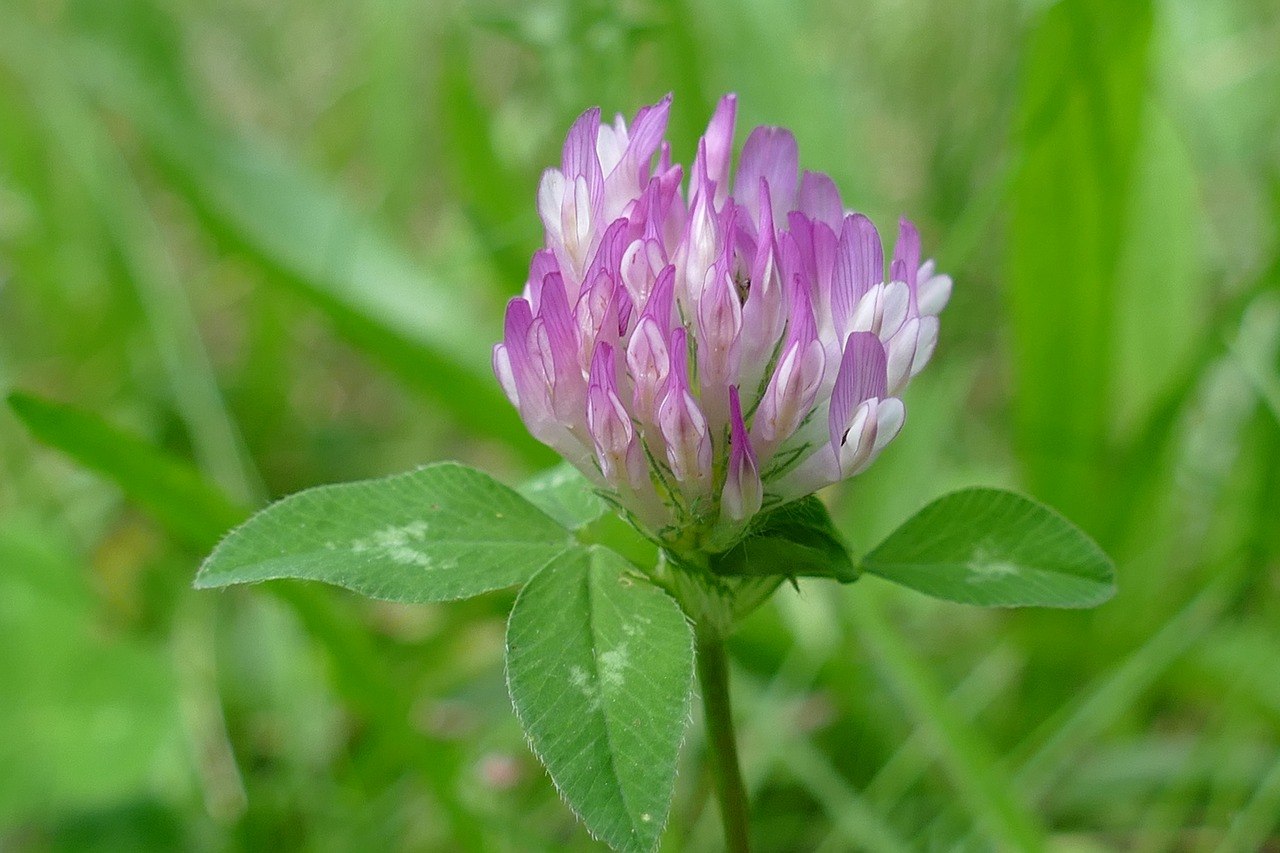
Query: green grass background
<point x="249" y="246"/>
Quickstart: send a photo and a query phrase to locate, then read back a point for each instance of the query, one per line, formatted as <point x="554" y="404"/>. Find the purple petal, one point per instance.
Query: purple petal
<point x="743" y="492"/>
<point x="580" y="158"/>
<point x="646" y="134"/>
<point x="516" y="323"/>
<point x="607" y="419"/>
<point x="867" y="254"/>
<point x="543" y="264"/>
<point x="770" y="153"/>
<point x="662" y="299"/>
<point x="803" y="326"/>
<point x="701" y="184"/>
<point x="825" y="246"/>
<point x="859" y="266"/>
<point x="800" y="234"/>
<point x="678" y="352"/>
<point x="719" y="324"/>
<point x="681" y="422"/>
<point x="764" y="216"/>
<point x="907" y="252"/>
<point x="647" y="363"/>
<point x="820" y="200"/>
<point x="608" y="256"/>
<point x="862" y="376"/>
<point x="715" y="150"/>
<point x="562" y="337"/>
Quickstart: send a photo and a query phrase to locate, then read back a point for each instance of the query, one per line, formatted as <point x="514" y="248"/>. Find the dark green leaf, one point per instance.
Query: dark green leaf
<point x="442" y="532"/>
<point x="991" y="547"/>
<point x="600" y="668"/>
<point x="796" y="540"/>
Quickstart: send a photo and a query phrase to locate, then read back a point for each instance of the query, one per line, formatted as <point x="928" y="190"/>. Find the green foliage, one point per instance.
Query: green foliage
<point x="565" y="495"/>
<point x="985" y="546"/>
<point x="91" y="720"/>
<point x="1079" y="122"/>
<point x="600" y="667"/>
<point x="439" y="533"/>
<point x="270" y="247"/>
<point x="168" y="489"/>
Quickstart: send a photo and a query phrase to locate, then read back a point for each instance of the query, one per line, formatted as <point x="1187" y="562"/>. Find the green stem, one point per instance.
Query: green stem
<point x="713" y="676"/>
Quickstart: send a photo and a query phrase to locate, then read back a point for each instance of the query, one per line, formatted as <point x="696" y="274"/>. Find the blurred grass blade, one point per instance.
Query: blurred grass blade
<point x="167" y="489"/>
<point x="198" y="514"/>
<point x="1079" y="126"/>
<point x="496" y="198"/>
<point x="1062" y="738"/>
<point x="854" y="820"/>
<point x="1257" y="346"/>
<point x="89" y="720"/>
<point x="1252" y="826"/>
<point x="991" y="798"/>
<point x="149" y="265"/>
<point x="989" y="678"/>
<point x="434" y="335"/>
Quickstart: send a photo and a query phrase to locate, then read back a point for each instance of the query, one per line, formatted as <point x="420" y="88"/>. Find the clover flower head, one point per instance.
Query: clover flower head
<point x="709" y="351"/>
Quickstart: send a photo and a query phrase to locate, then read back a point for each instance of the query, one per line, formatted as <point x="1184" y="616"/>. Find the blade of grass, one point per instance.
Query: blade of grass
<point x="1256" y="347"/>
<point x="150" y="270"/>
<point x="1253" y="825"/>
<point x="1080" y="119"/>
<point x="198" y="514"/>
<point x="495" y="198"/>
<point x="771" y="745"/>
<point x="164" y="487"/>
<point x="974" y="769"/>
<point x="990" y="677"/>
<point x="1062" y="737"/>
<point x="855" y="821"/>
<point x="434" y="335"/>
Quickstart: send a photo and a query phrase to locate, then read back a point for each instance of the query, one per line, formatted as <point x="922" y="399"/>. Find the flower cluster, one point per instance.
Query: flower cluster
<point x="703" y="354"/>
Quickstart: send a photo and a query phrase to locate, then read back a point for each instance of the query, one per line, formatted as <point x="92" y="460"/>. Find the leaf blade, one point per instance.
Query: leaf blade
<point x="995" y="548"/>
<point x="575" y="635"/>
<point x="563" y="493"/>
<point x="439" y="533"/>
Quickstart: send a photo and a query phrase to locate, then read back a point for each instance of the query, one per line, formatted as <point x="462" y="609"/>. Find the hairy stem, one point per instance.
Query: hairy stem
<point x="713" y="676"/>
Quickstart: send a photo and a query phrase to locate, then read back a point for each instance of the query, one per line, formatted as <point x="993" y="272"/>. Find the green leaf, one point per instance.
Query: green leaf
<point x="565" y="495"/>
<point x="996" y="548"/>
<point x="169" y="490"/>
<point x="600" y="668"/>
<point x="439" y="533"/>
<point x="796" y="540"/>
